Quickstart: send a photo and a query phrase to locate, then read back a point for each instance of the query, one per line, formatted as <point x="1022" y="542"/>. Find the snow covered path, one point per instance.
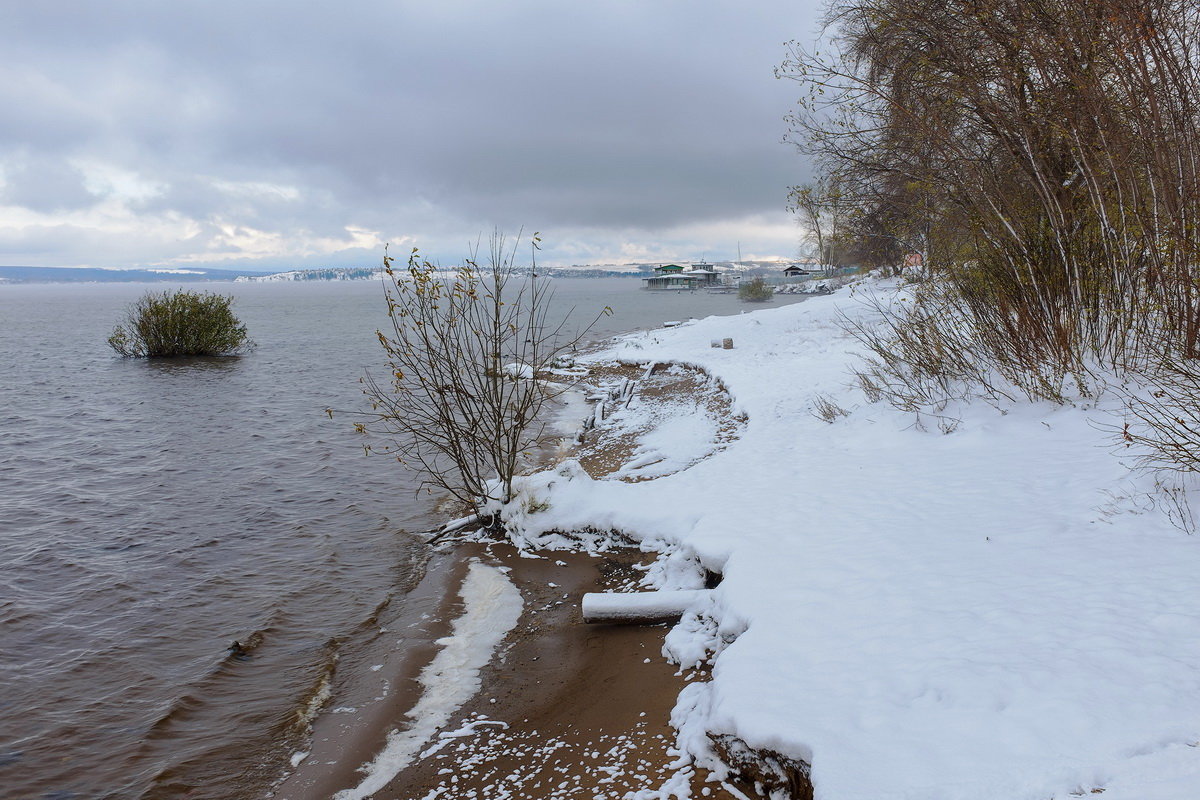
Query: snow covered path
<point x="990" y="613"/>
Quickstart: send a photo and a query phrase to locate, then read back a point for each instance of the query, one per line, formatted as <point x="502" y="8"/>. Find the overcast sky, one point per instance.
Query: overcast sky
<point x="265" y="135"/>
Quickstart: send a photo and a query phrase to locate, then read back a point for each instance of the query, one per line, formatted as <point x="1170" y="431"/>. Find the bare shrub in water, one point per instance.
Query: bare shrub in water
<point x="180" y="323"/>
<point x="755" y="291"/>
<point x="466" y="355"/>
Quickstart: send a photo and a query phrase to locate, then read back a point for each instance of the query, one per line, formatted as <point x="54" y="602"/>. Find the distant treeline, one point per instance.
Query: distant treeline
<point x="327" y="274"/>
<point x="95" y="275"/>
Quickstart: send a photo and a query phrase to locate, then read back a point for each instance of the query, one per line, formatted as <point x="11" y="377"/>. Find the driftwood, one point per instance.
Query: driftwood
<point x="639" y="608"/>
<point x="621" y="395"/>
<point x="454" y="526"/>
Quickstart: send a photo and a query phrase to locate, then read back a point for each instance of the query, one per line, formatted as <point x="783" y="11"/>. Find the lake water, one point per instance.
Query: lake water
<point x="152" y="513"/>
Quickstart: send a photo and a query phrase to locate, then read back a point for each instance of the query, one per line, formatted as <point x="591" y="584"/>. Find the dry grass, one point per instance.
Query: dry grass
<point x="826" y="410"/>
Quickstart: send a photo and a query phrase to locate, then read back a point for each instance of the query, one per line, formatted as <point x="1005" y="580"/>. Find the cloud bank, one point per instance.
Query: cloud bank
<point x="271" y="135"/>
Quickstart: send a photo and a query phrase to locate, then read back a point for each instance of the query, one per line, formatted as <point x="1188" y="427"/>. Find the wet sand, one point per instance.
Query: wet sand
<point x="581" y="711"/>
<point x="373" y="694"/>
<point x="566" y="710"/>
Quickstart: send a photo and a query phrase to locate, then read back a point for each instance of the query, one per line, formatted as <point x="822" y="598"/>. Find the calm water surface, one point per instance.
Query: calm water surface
<point x="152" y="513"/>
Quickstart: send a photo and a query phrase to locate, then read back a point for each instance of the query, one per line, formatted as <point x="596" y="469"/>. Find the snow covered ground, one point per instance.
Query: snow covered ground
<point x="998" y="612"/>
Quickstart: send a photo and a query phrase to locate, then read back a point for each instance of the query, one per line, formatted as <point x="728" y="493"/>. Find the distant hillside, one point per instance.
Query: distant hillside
<point x="573" y="271"/>
<point x="329" y="274"/>
<point x="363" y="274"/>
<point x="197" y="274"/>
<point x="93" y="275"/>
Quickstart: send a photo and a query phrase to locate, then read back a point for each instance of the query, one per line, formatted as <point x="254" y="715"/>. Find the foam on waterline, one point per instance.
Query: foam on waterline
<point x="492" y="606"/>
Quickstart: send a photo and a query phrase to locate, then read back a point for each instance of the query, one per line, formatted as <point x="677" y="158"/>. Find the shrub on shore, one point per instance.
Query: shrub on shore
<point x="1040" y="157"/>
<point x="1043" y="161"/>
<point x="180" y="323"/>
<point x="463" y="399"/>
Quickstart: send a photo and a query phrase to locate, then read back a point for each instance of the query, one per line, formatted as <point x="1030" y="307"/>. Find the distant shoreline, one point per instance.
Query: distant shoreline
<point x="15" y="275"/>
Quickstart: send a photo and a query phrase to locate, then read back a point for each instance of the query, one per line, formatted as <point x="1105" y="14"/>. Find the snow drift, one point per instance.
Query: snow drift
<point x="997" y="613"/>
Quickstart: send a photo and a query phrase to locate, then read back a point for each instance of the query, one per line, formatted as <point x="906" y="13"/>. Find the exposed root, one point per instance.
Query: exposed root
<point x="767" y="772"/>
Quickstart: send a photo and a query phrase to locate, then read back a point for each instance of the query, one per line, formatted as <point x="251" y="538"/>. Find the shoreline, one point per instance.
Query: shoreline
<point x="380" y="689"/>
<point x="564" y="709"/>
<point x="879" y="575"/>
<point x="294" y="549"/>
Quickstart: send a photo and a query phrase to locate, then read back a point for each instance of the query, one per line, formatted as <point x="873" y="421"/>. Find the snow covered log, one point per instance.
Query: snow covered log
<point x="454" y="526"/>
<point x="639" y="608"/>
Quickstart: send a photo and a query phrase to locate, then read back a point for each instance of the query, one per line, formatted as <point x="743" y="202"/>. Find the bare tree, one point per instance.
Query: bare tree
<point x="464" y="399"/>
<point x="819" y="208"/>
<point x="1045" y="154"/>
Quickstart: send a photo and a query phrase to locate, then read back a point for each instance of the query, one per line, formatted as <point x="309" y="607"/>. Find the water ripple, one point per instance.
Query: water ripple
<point x="152" y="513"/>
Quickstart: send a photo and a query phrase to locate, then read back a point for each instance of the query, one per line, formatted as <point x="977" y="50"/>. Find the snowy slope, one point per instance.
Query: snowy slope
<point x="994" y="613"/>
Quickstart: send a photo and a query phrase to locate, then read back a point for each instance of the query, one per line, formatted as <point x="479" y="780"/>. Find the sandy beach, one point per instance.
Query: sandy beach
<point x="566" y="709"/>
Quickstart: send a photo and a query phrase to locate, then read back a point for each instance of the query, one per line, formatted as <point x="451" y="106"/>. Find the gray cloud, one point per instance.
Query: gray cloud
<point x="429" y="120"/>
<point x="45" y="184"/>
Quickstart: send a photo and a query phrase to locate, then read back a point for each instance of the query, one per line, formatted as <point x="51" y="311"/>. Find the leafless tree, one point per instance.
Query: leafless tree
<point x="1045" y="154"/>
<point x="468" y="351"/>
<point x="818" y="208"/>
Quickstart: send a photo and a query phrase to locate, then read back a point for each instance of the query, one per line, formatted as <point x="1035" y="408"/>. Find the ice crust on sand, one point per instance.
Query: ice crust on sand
<point x="492" y="606"/>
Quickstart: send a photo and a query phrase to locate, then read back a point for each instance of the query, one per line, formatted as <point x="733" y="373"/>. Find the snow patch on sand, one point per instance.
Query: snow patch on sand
<point x="492" y="608"/>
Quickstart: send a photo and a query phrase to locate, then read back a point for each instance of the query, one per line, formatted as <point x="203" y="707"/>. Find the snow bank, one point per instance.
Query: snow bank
<point x="518" y="371"/>
<point x="992" y="613"/>
<point x="492" y="608"/>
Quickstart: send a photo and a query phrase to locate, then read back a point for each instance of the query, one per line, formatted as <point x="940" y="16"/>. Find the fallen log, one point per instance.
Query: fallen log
<point x="454" y="526"/>
<point x="639" y="608"/>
